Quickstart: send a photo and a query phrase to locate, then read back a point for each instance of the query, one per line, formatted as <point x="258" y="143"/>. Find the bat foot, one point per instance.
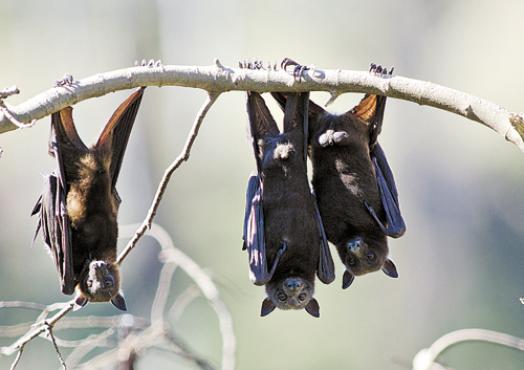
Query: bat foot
<point x="67" y="80"/>
<point x="257" y="65"/>
<point x="148" y="63"/>
<point x="380" y="71"/>
<point x="298" y="69"/>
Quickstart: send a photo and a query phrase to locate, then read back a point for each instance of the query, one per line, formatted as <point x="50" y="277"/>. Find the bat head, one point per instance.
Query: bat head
<point x="365" y="255"/>
<point x="100" y="282"/>
<point x="290" y="293"/>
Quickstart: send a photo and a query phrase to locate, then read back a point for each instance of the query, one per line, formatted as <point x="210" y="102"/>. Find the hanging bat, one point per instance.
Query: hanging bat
<point x="78" y="208"/>
<point x="353" y="182"/>
<point x="283" y="232"/>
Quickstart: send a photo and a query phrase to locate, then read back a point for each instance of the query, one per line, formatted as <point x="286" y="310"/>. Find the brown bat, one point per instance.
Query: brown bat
<point x="283" y="232"/>
<point x="78" y="208"/>
<point x="353" y="182"/>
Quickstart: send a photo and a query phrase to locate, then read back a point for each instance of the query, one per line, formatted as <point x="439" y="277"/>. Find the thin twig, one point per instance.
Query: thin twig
<point x="184" y="156"/>
<point x="17" y="358"/>
<point x="91" y="342"/>
<point x="49" y="330"/>
<point x="426" y="358"/>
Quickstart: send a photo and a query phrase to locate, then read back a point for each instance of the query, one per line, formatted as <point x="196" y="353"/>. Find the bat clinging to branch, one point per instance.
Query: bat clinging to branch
<point x="283" y="231"/>
<point x="353" y="182"/>
<point x="78" y="208"/>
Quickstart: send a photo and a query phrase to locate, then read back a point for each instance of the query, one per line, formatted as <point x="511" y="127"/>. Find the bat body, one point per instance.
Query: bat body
<point x="78" y="208"/>
<point x="354" y="185"/>
<point x="283" y="232"/>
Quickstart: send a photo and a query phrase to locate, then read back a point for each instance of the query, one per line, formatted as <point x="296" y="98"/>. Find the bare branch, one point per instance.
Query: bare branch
<point x="426" y="358"/>
<point x="219" y="78"/>
<point x="184" y="156"/>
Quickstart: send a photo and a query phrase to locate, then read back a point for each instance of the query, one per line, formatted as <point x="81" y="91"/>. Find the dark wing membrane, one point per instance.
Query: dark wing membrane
<point x="326" y="267"/>
<point x="254" y="233"/>
<point x="395" y="226"/>
<point x="261" y="122"/>
<point x="65" y="145"/>
<point x="114" y="137"/>
<point x="54" y="222"/>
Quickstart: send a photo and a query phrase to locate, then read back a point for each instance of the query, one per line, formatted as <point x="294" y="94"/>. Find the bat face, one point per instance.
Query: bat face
<point x="292" y="293"/>
<point x="278" y="153"/>
<point x="100" y="282"/>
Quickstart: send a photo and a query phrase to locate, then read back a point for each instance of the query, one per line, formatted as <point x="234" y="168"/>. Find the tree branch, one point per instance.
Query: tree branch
<point x="425" y="358"/>
<point x="218" y="78"/>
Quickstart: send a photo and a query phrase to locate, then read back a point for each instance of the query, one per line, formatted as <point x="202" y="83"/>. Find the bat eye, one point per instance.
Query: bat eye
<point x="282" y="296"/>
<point x="89" y="283"/>
<point x="101" y="171"/>
<point x="302" y="297"/>
<point x="371" y="256"/>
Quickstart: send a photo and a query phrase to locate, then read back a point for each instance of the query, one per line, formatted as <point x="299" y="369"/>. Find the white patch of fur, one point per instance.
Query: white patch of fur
<point x="283" y="151"/>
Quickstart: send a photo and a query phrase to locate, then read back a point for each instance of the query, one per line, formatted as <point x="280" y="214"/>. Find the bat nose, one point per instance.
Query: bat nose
<point x="354" y="244"/>
<point x="294" y="284"/>
<point x="109" y="282"/>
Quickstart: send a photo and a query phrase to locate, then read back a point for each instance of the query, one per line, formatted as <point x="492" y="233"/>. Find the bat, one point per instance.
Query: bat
<point x="354" y="185"/>
<point x="78" y="208"/>
<point x="283" y="232"/>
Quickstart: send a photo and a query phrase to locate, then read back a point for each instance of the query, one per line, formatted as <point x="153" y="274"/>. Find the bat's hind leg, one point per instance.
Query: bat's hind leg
<point x="298" y="69"/>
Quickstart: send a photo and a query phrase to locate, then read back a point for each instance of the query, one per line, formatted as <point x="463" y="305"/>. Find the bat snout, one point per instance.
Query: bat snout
<point x="293" y="284"/>
<point x="109" y="282"/>
<point x="354" y="245"/>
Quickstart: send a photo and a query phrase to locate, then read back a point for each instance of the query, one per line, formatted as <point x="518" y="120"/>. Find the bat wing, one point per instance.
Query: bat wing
<point x="254" y="233"/>
<point x="65" y="146"/>
<point x="326" y="267"/>
<point x="395" y="226"/>
<point x="371" y="110"/>
<point x="113" y="139"/>
<point x="56" y="230"/>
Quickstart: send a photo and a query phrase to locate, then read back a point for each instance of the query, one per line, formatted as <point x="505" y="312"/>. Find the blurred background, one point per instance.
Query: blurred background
<point x="461" y="260"/>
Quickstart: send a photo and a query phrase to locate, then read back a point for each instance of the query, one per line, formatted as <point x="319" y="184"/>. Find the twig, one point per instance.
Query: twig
<point x="93" y="341"/>
<point x="8" y="91"/>
<point x="49" y="330"/>
<point x="220" y="78"/>
<point x="184" y="156"/>
<point x="17" y="359"/>
<point x="426" y="358"/>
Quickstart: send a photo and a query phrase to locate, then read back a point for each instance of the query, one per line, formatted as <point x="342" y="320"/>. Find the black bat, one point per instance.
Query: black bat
<point x="283" y="232"/>
<point x="354" y="184"/>
<point x="78" y="208"/>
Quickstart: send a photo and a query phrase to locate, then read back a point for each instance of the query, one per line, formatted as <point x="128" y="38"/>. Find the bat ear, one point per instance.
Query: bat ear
<point x="313" y="308"/>
<point x="119" y="302"/>
<point x="267" y="307"/>
<point x="80" y="302"/>
<point x="389" y="269"/>
<point x="347" y="279"/>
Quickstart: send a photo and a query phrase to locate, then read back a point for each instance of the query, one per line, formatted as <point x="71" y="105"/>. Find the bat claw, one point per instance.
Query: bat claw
<point x="298" y="69"/>
<point x="67" y="80"/>
<point x="380" y="71"/>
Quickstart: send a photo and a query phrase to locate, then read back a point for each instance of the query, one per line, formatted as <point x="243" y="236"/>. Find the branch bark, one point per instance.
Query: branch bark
<point x="218" y="78"/>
